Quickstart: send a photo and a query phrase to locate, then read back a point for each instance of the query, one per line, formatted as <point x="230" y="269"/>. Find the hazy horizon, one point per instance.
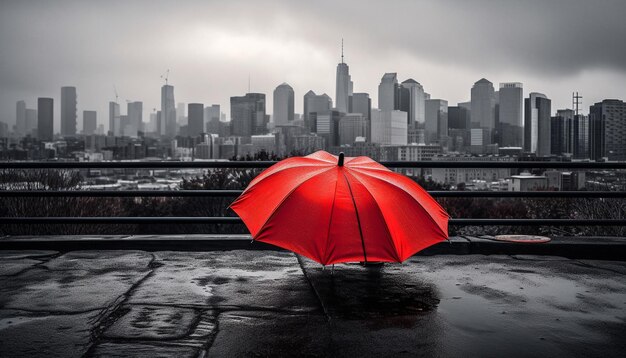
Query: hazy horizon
<point x="212" y="48"/>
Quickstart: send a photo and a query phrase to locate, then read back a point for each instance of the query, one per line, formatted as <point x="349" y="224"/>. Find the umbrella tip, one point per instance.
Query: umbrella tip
<point x="340" y="162"/>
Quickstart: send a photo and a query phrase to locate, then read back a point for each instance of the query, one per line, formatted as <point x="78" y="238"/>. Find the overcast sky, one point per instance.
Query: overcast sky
<point x="211" y="47"/>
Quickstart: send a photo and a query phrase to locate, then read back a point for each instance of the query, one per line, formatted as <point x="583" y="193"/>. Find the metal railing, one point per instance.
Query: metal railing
<point x="265" y="164"/>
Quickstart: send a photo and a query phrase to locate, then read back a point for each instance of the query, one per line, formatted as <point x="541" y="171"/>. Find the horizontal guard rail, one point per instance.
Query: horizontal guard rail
<point x="236" y="220"/>
<point x="265" y="164"/>
<point x="235" y="193"/>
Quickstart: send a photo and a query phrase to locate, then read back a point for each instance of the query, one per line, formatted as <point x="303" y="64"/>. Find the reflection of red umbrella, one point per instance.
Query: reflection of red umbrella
<point x="333" y="211"/>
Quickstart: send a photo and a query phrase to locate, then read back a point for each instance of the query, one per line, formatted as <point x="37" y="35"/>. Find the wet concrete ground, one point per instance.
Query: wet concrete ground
<point x="263" y="303"/>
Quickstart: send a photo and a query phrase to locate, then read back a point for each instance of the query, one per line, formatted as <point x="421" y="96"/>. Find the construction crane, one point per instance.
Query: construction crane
<point x="166" y="75"/>
<point x="116" y="96"/>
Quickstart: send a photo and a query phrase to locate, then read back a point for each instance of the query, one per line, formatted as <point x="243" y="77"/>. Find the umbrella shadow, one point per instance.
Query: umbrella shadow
<point x="352" y="291"/>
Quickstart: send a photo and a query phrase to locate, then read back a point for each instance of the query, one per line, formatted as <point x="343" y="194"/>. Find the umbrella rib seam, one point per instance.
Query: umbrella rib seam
<point x="420" y="205"/>
<point x="392" y="172"/>
<point x="358" y="220"/>
<point x="383" y="216"/>
<point x="330" y="221"/>
<point x="269" y="218"/>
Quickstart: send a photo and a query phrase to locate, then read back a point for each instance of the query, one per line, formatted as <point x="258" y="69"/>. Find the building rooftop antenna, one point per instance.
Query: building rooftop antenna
<point x="342" y="50"/>
<point x="576" y="101"/>
<point x="166" y="75"/>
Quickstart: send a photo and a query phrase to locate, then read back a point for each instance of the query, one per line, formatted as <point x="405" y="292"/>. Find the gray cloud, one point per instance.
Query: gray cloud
<point x="553" y="46"/>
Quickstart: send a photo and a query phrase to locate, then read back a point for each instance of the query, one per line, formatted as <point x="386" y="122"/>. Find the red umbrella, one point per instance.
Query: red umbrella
<point x="333" y="210"/>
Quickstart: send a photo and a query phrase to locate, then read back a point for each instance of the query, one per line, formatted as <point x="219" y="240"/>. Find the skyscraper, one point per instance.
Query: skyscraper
<point x="45" y="119"/>
<point x="314" y="104"/>
<point x="561" y="141"/>
<point x="343" y="86"/>
<point x="283" y="105"/>
<point x="510" y="118"/>
<point x="68" y="111"/>
<point x="167" y="124"/>
<point x="212" y="119"/>
<point x="412" y="101"/>
<point x="195" y="123"/>
<point x="114" y="119"/>
<point x="607" y="132"/>
<point x="537" y="124"/>
<point x="436" y="126"/>
<point x="483" y="107"/>
<point x="388" y="92"/>
<point x="389" y="127"/>
<point x="31" y="123"/>
<point x="327" y="126"/>
<point x="248" y="115"/>
<point x="351" y="126"/>
<point x="90" y="122"/>
<point x="20" y="118"/>
<point x="135" y="119"/>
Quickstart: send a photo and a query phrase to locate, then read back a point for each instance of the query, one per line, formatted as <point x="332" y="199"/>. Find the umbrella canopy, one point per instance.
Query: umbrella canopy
<point x="333" y="210"/>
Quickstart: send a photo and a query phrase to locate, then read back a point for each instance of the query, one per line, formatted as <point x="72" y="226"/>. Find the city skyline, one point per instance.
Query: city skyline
<point x="304" y="60"/>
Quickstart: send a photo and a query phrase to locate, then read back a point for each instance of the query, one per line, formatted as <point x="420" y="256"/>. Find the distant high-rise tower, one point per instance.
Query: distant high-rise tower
<point x="607" y="130"/>
<point x="436" y="126"/>
<point x="412" y="101"/>
<point x="31" y="122"/>
<point x="483" y="108"/>
<point x="90" y="122"/>
<point x="537" y="124"/>
<point x="20" y="118"/>
<point x="212" y="119"/>
<point x="45" y="119"/>
<point x="388" y="99"/>
<point x="511" y="118"/>
<point x="314" y="104"/>
<point x="389" y="127"/>
<point x="167" y="124"/>
<point x="248" y="115"/>
<point x="68" y="111"/>
<point x="114" y="119"/>
<point x="195" y="123"/>
<point x="343" y="86"/>
<point x="135" y="119"/>
<point x="283" y="105"/>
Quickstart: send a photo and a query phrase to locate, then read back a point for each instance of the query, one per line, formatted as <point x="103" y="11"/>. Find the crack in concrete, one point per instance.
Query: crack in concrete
<point x="584" y="264"/>
<point x="110" y="314"/>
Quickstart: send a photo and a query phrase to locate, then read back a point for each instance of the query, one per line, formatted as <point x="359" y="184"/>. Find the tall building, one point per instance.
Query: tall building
<point x="68" y="111"/>
<point x="607" y="130"/>
<point x="343" y="88"/>
<point x="195" y="116"/>
<point x="314" y="104"/>
<point x="483" y="105"/>
<point x="561" y="139"/>
<point x="389" y="127"/>
<point x="31" y="123"/>
<point x="412" y="101"/>
<point x="20" y="118"/>
<point x="167" y="124"/>
<point x="351" y="126"/>
<point x="45" y="119"/>
<point x="135" y="119"/>
<point x="248" y="115"/>
<point x="436" y="126"/>
<point x="212" y="119"/>
<point x="362" y="103"/>
<point x="388" y="99"/>
<point x="90" y="122"/>
<point x="510" y="114"/>
<point x="114" y="118"/>
<point x="283" y="105"/>
<point x="537" y="124"/>
<point x="327" y="126"/>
